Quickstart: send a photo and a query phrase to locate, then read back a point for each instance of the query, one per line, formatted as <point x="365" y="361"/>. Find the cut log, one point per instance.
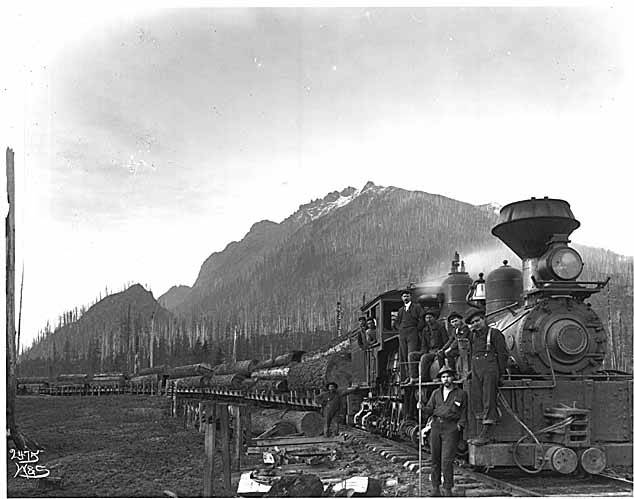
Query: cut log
<point x="317" y="373"/>
<point x="310" y="423"/>
<point x="32" y="380"/>
<point x="272" y="373"/>
<point x="191" y="370"/>
<point x="192" y="382"/>
<point x="271" y="385"/>
<point x="287" y="358"/>
<point x="244" y="367"/>
<point x="152" y="370"/>
<point x="341" y="348"/>
<point x="73" y="378"/>
<point x="233" y="381"/>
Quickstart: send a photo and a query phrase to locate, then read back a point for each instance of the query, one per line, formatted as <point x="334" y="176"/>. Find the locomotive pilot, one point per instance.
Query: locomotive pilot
<point x="448" y="408"/>
<point x="408" y="323"/>
<point x="488" y="363"/>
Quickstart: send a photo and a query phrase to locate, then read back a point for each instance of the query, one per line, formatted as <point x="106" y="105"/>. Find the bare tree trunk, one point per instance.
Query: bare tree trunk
<point x="19" y="440"/>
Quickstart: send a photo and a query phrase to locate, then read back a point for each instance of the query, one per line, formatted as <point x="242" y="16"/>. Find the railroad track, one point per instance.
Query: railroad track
<point x="505" y="482"/>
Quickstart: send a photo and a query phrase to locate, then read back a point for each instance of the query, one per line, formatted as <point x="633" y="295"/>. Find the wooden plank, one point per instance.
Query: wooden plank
<point x="226" y="452"/>
<point x="210" y="449"/>
<point x="298" y="440"/>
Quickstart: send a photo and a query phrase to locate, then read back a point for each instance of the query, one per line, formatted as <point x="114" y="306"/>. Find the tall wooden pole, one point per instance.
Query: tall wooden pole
<point x="10" y="289"/>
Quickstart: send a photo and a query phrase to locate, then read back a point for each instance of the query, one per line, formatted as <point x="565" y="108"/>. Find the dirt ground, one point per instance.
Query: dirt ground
<point x="114" y="446"/>
<point x="128" y="446"/>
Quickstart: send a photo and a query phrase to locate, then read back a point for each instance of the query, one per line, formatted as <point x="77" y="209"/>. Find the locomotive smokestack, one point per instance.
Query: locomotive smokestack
<point x="528" y="226"/>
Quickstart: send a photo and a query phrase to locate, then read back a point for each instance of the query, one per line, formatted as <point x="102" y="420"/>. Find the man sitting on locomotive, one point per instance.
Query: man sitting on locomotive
<point x="460" y="339"/>
<point x="370" y="332"/>
<point x="434" y="339"/>
<point x="488" y="364"/>
<point x="448" y="407"/>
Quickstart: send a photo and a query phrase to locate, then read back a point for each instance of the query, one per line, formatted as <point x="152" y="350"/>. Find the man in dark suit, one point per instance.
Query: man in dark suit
<point x="448" y="408"/>
<point x="408" y="323"/>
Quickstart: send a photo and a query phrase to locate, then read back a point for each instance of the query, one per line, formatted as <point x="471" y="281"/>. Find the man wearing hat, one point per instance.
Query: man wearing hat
<point x="460" y="335"/>
<point x="448" y="408"/>
<point x="488" y="363"/>
<point x="331" y="403"/>
<point x="434" y="339"/>
<point x="408" y="323"/>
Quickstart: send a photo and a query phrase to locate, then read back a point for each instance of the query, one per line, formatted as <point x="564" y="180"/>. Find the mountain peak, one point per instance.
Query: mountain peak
<point x="320" y="207"/>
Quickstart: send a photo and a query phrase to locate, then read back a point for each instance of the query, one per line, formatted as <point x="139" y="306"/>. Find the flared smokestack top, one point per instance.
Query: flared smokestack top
<point x="527" y="226"/>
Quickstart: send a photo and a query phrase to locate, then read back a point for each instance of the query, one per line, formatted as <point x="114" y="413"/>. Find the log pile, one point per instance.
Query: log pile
<point x="73" y="378"/>
<point x="244" y="367"/>
<point x="316" y="374"/>
<point x="152" y="370"/>
<point x="231" y="381"/>
<point x="269" y="385"/>
<point x="273" y="373"/>
<point x="202" y="369"/>
<point x="192" y="382"/>
<point x="282" y="360"/>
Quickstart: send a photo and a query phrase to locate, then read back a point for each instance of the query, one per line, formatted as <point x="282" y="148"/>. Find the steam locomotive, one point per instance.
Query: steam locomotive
<point x="559" y="409"/>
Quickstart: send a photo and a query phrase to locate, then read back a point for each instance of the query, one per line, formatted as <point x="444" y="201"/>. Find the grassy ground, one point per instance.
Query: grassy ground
<point x="113" y="446"/>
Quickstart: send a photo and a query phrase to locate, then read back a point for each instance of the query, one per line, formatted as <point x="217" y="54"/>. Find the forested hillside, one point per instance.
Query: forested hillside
<point x="278" y="288"/>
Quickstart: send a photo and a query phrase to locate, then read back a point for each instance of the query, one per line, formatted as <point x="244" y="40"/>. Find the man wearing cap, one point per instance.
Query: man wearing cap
<point x="460" y="339"/>
<point x="434" y="338"/>
<point x="408" y="323"/>
<point x="448" y="408"/>
<point x="331" y="403"/>
<point x="488" y="363"/>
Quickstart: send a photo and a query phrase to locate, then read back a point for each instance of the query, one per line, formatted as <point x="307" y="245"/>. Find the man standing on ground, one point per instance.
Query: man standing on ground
<point x="488" y="364"/>
<point x="332" y="403"/>
<point x="448" y="408"/>
<point x="408" y="323"/>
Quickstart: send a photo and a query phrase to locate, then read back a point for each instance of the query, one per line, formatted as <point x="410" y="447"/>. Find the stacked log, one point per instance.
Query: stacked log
<point x="274" y="373"/>
<point x="317" y="373"/>
<point x="191" y="370"/>
<point x="271" y="385"/>
<point x="310" y="423"/>
<point x="32" y="380"/>
<point x="152" y="370"/>
<point x="233" y="381"/>
<point x="282" y="360"/>
<point x="73" y="378"/>
<point x="145" y="380"/>
<point x="244" y="367"/>
<point x="340" y="348"/>
<point x="288" y="358"/>
<point x="192" y="382"/>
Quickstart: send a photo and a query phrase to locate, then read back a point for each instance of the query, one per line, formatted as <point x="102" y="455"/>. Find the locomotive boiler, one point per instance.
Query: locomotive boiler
<point x="559" y="409"/>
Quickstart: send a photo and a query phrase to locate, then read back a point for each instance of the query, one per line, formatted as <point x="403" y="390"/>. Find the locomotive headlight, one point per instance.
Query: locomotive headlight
<point x="565" y="263"/>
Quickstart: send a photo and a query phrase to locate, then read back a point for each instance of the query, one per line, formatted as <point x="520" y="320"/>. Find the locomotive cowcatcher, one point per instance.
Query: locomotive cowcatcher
<point x="558" y="408"/>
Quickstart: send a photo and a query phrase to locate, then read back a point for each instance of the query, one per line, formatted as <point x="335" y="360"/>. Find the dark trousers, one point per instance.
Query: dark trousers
<point x="428" y="360"/>
<point x="444" y="443"/>
<point x="484" y="387"/>
<point x="408" y="341"/>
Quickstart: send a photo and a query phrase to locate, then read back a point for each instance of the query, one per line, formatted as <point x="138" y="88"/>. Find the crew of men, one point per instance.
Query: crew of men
<point x="423" y="339"/>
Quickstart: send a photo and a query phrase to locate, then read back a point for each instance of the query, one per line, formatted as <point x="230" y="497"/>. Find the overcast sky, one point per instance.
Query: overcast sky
<point x="147" y="139"/>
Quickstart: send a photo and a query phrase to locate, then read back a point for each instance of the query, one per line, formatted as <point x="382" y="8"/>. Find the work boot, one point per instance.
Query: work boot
<point x="435" y="492"/>
<point x="484" y="437"/>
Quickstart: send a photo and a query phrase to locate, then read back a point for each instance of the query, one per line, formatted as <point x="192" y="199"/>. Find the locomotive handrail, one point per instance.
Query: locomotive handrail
<point x="541" y="284"/>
